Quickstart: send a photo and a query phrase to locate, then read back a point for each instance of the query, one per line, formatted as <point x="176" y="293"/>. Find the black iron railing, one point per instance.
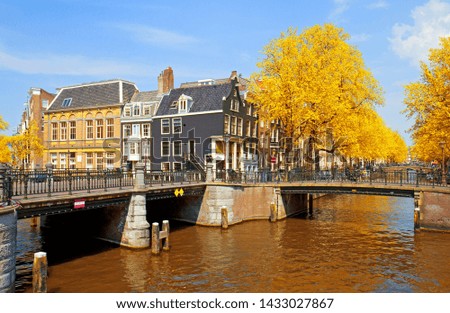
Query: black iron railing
<point x="24" y="183"/>
<point x="386" y="177"/>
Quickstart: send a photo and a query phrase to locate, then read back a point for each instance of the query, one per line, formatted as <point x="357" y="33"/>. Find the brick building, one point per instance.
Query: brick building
<point x="38" y="102"/>
<point x="82" y="125"/>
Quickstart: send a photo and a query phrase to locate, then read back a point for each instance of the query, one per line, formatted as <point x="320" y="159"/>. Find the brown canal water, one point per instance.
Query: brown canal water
<point x="350" y="244"/>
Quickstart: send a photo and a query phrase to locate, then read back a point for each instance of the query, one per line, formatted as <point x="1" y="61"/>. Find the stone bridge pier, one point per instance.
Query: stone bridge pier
<point x="136" y="231"/>
<point x="8" y="233"/>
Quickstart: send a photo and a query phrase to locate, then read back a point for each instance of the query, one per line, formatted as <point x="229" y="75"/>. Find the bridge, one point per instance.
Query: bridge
<point x="47" y="192"/>
<point x="122" y="199"/>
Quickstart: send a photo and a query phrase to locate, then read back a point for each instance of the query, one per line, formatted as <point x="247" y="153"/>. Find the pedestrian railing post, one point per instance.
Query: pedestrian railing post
<point x="105" y="179"/>
<point x="50" y="182"/>
<point x="88" y="178"/>
<point x="69" y="174"/>
<point x="25" y="185"/>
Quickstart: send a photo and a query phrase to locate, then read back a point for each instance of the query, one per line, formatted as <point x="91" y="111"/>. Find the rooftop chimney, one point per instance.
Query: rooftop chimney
<point x="165" y="81"/>
<point x="233" y="74"/>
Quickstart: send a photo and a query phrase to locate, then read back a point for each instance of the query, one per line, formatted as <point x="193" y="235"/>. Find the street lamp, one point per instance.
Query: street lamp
<point x="442" y="145"/>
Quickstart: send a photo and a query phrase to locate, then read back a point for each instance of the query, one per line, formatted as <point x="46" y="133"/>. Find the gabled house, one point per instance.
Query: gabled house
<point x="136" y="120"/>
<point x="205" y="122"/>
<point x="38" y="102"/>
<point x="82" y="125"/>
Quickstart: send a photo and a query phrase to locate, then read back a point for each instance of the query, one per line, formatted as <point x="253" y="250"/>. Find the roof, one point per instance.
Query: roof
<point x="93" y="95"/>
<point x="205" y="98"/>
<point x="146" y="96"/>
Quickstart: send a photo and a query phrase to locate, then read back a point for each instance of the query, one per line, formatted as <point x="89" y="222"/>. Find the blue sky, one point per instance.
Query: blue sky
<point x="51" y="44"/>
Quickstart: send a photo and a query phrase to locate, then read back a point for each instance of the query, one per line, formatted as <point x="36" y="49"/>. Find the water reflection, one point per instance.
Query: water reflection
<point x="350" y="244"/>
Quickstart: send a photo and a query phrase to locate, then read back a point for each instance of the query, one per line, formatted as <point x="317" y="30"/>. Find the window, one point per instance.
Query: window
<point x="233" y="125"/>
<point x="72" y="160"/>
<point x="54" y="131"/>
<point x="136" y="110"/>
<point x="146" y="130"/>
<point x="63" y="131"/>
<point x="183" y="106"/>
<point x="234" y="105"/>
<point x="239" y="126"/>
<point x="165" y="166"/>
<point x="165" y="126"/>
<point x="134" y="148"/>
<point x="54" y="159"/>
<point x="90" y="129"/>
<point x="176" y="166"/>
<point x="44" y="104"/>
<point x="62" y="160"/>
<point x="73" y="130"/>
<point x="99" y="126"/>
<point x="126" y="130"/>
<point x="99" y="160"/>
<point x="176" y="125"/>
<point x="226" y="124"/>
<point x="127" y="111"/>
<point x="89" y="160"/>
<point x="177" y="148"/>
<point x="174" y="104"/>
<point x="110" y="156"/>
<point x="249" y="109"/>
<point x="136" y="130"/>
<point x="165" y="148"/>
<point x="248" y="129"/>
<point x="66" y="102"/>
<point x="147" y="110"/>
<point x="255" y="129"/>
<point x="109" y="128"/>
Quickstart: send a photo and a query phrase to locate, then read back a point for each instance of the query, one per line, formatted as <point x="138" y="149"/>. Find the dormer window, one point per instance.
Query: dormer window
<point x="66" y="102"/>
<point x="127" y="111"/>
<point x="136" y="110"/>
<point x="184" y="104"/>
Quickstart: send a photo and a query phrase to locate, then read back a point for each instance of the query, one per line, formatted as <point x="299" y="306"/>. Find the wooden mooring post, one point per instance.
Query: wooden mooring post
<point x="40" y="267"/>
<point x="224" y="219"/>
<point x="160" y="239"/>
<point x="273" y="212"/>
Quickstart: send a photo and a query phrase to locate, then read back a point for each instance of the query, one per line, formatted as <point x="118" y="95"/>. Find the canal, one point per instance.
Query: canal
<point x="350" y="244"/>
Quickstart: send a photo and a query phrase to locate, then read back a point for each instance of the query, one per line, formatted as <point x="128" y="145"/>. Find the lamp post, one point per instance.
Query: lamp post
<point x="442" y="145"/>
<point x="226" y="138"/>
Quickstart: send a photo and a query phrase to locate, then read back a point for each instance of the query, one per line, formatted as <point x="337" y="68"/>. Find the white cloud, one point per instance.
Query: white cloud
<point x="380" y="4"/>
<point x="67" y="65"/>
<point x="157" y="37"/>
<point x="430" y="22"/>
<point x="359" y="37"/>
<point x="340" y="7"/>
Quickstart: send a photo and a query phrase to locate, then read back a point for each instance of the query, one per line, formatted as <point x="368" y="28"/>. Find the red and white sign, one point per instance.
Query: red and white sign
<point x="273" y="160"/>
<point x="79" y="204"/>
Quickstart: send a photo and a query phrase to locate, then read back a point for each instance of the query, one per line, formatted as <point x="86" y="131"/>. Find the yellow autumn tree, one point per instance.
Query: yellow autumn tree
<point x="428" y="104"/>
<point x="313" y="82"/>
<point x="5" y="153"/>
<point x="24" y="144"/>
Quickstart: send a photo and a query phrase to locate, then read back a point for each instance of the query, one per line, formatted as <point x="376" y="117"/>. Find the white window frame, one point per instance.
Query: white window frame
<point x="163" y="166"/>
<point x="146" y="131"/>
<point x="136" y="130"/>
<point x="180" y="152"/>
<point x="180" y="120"/>
<point x="174" y="166"/>
<point x="90" y="129"/>
<point x="165" y="127"/>
<point x="162" y="148"/>
<point x="126" y="130"/>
